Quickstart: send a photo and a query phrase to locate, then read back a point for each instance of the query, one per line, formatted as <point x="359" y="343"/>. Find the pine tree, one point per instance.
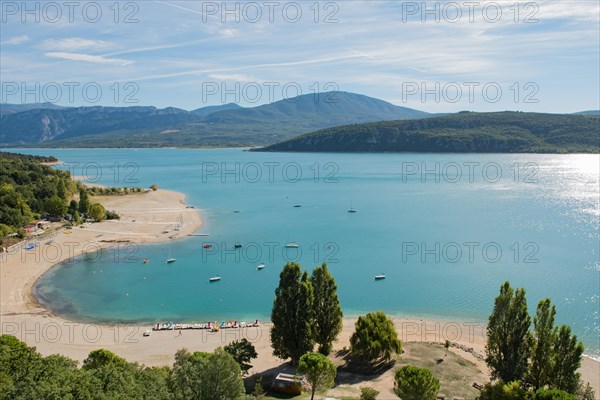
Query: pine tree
<point x="508" y="346"/>
<point x="543" y="345"/>
<point x="327" y="314"/>
<point x="291" y="335"/>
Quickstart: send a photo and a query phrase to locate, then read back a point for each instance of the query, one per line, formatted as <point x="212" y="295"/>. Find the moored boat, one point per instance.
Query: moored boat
<point x="214" y="279"/>
<point x="292" y="245"/>
<point x="260" y="266"/>
<point x="170" y="260"/>
<point x="379" y="277"/>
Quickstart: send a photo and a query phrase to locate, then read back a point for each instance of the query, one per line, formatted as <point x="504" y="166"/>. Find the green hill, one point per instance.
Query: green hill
<point x="465" y="132"/>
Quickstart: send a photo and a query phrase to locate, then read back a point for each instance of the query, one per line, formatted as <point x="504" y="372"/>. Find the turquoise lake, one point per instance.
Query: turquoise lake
<point x="445" y="229"/>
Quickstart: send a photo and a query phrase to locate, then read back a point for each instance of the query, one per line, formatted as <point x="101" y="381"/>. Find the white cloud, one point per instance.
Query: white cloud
<point x="75" y="44"/>
<point x="15" y="40"/>
<point x="233" y="77"/>
<point x="88" y="58"/>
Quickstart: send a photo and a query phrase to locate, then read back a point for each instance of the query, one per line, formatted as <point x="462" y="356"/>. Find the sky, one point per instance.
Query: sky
<point x="433" y="56"/>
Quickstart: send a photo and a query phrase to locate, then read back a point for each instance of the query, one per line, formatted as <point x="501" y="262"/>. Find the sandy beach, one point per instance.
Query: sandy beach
<point x="145" y="218"/>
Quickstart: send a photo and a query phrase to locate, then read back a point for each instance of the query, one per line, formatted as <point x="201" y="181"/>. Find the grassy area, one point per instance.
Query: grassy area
<point x="455" y="372"/>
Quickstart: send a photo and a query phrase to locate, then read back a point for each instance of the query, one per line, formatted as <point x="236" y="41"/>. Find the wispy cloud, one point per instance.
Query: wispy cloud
<point x="88" y="58"/>
<point x="233" y="77"/>
<point x="75" y="44"/>
<point x="15" y="40"/>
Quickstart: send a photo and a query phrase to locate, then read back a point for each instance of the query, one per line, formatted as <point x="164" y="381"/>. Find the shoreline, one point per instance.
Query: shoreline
<point x="22" y="316"/>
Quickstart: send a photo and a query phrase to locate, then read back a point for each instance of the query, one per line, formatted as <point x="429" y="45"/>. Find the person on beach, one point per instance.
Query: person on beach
<point x="179" y="331"/>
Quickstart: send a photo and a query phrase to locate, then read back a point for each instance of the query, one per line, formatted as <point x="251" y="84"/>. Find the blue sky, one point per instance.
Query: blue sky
<point x="190" y="54"/>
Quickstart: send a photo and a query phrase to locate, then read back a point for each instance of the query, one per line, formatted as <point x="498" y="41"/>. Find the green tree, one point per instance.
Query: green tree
<point x="327" y="316"/>
<point x="508" y="345"/>
<point x="567" y="360"/>
<point x="374" y="338"/>
<point x="291" y="334"/>
<point x="73" y="207"/>
<point x="318" y="370"/>
<point x="84" y="202"/>
<point x="242" y="352"/>
<point x="503" y="391"/>
<point x="553" y="394"/>
<point x="544" y="337"/>
<point x="368" y="393"/>
<point x="56" y="206"/>
<point x="206" y="376"/>
<point x="97" y="212"/>
<point x="413" y="383"/>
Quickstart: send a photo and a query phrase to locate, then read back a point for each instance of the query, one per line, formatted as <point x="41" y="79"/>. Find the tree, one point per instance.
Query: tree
<point x="242" y="352"/>
<point x="413" y="383"/>
<point x="206" y="376"/>
<point x="508" y="345"/>
<point x="56" y="206"/>
<point x="567" y="360"/>
<point x="154" y="187"/>
<point x="84" y="202"/>
<point x="553" y="394"/>
<point x="503" y="391"/>
<point x="368" y="393"/>
<point x="291" y="334"/>
<point x="544" y="337"/>
<point x="97" y="212"/>
<point x="318" y="371"/>
<point x="327" y="317"/>
<point x="73" y="207"/>
<point x="374" y="338"/>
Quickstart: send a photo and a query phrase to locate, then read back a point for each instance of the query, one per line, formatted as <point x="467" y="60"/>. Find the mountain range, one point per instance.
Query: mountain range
<point x="46" y="125"/>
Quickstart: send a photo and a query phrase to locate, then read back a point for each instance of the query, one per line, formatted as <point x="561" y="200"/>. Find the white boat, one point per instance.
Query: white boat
<point x="214" y="279"/>
<point x="292" y="245"/>
<point x="261" y="266"/>
<point x="170" y="260"/>
<point x="379" y="277"/>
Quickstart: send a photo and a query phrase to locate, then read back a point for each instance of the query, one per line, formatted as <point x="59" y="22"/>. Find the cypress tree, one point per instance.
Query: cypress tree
<point x="567" y="360"/>
<point x="327" y="323"/>
<point x="291" y="334"/>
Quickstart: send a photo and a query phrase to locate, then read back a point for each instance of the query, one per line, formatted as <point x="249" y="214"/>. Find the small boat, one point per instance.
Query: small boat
<point x="237" y="246"/>
<point x="214" y="279"/>
<point x="379" y="277"/>
<point x="170" y="260"/>
<point x="261" y="266"/>
<point x="351" y="210"/>
<point x="292" y="245"/>
<point x="207" y="246"/>
<point x="236" y="211"/>
<point x="146" y="261"/>
<point x="297" y="206"/>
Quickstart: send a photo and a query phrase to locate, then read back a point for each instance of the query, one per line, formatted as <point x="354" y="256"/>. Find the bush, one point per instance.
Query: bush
<point x="112" y="215"/>
<point x="413" y="383"/>
<point x="368" y="393"/>
<point x="553" y="394"/>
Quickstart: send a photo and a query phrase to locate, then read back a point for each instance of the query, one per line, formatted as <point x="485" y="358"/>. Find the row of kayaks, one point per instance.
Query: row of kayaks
<point x="169" y="326"/>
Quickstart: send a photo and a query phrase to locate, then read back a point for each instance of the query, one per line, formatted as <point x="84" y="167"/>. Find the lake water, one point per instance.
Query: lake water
<point x="446" y="229"/>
